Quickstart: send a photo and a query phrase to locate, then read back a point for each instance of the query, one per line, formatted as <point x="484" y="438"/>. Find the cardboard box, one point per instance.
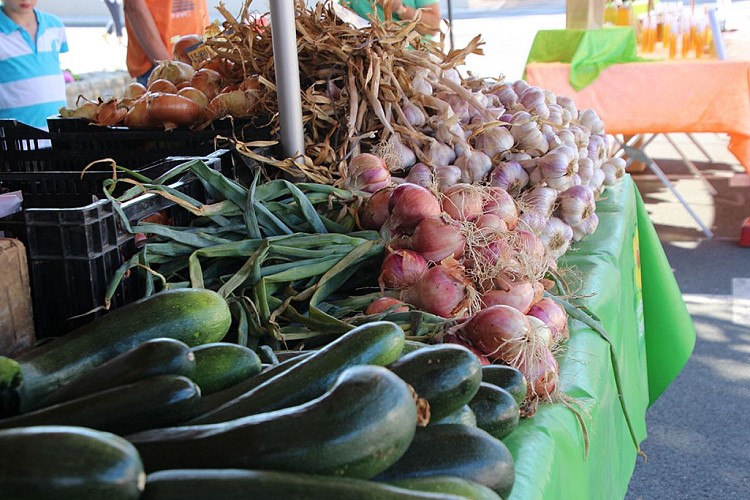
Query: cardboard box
<point x="16" y="318"/>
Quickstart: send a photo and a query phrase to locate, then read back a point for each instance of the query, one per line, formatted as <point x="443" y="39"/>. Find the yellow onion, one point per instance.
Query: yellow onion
<point x="137" y="116"/>
<point x="134" y="90"/>
<point x="174" y="71"/>
<point x="162" y="85"/>
<point x="172" y="110"/>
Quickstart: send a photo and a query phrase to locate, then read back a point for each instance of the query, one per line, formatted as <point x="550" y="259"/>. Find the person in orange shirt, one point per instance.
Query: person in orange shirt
<point x="153" y="24"/>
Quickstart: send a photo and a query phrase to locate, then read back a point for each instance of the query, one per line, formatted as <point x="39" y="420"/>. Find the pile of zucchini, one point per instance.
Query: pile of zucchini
<point x="149" y="402"/>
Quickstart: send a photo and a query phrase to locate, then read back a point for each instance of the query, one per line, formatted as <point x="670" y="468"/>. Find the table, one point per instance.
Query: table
<point x="665" y="96"/>
<point x="629" y="285"/>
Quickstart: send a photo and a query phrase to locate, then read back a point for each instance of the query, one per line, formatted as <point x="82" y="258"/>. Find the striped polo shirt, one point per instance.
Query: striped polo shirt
<point x="32" y="86"/>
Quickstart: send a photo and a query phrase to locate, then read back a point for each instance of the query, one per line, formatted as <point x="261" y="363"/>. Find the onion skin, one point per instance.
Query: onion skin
<point x="497" y="201"/>
<point x="442" y="290"/>
<point x="519" y="296"/>
<point x="194" y="95"/>
<point x="162" y="85"/>
<point x="383" y="304"/>
<point x="174" y="71"/>
<point x="496" y="331"/>
<point x="138" y="116"/>
<point x="367" y="172"/>
<point x="375" y="210"/>
<point x="436" y="239"/>
<point x="409" y="205"/>
<point x="452" y="338"/>
<point x="109" y="113"/>
<point x="172" y="110"/>
<point x="182" y="45"/>
<point x="401" y="269"/>
<point x="207" y="81"/>
<point x="462" y="202"/>
<point x="134" y="90"/>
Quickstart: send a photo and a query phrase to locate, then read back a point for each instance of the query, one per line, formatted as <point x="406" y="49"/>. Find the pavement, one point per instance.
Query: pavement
<point x="698" y="443"/>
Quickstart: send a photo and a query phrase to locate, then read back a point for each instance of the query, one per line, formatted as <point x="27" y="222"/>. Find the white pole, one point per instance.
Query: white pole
<point x="287" y="77"/>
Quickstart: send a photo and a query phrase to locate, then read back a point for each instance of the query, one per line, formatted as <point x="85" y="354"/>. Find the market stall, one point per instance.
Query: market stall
<point x="343" y="326"/>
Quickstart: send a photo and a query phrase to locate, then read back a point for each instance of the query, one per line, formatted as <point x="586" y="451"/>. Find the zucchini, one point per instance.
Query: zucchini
<point x="448" y="486"/>
<point x="446" y="375"/>
<point x="193" y="316"/>
<point x="376" y="343"/>
<point x="506" y="377"/>
<point x="156" y="401"/>
<point x="220" y="365"/>
<point x="162" y="356"/>
<point x="213" y="401"/>
<point x="496" y="411"/>
<point x="61" y="463"/>
<point x="458" y="451"/>
<point x="232" y="484"/>
<point x="358" y="428"/>
<point x="463" y="415"/>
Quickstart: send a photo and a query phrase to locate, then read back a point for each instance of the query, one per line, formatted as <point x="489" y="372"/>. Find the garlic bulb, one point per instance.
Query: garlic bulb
<point x="474" y="165"/>
<point x="510" y="176"/>
<point x="494" y="140"/>
<point x="597" y="149"/>
<point x="446" y="176"/>
<point x="506" y="94"/>
<point x="437" y="154"/>
<point x="569" y="105"/>
<point x="414" y="115"/>
<point x="533" y="99"/>
<point x="421" y="175"/>
<point x="556" y="237"/>
<point x="421" y="86"/>
<point x="614" y="170"/>
<point x="586" y="227"/>
<point x="590" y="119"/>
<point x="527" y="135"/>
<point x="576" y="204"/>
<point x="585" y="169"/>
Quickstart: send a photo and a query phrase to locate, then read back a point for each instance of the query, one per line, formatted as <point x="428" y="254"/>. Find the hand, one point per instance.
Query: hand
<point x="395" y="4"/>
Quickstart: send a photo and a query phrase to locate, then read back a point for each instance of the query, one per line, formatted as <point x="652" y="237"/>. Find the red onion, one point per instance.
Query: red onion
<point x="463" y="202"/>
<point x="554" y="317"/>
<point x="519" y="296"/>
<point x="436" y="239"/>
<point x="542" y="372"/>
<point x="375" y="210"/>
<point x="491" y="221"/>
<point x="409" y="205"/>
<point x="452" y="338"/>
<point x="497" y="201"/>
<point x="401" y="269"/>
<point x="500" y="332"/>
<point x="367" y="172"/>
<point x="383" y="304"/>
<point x="442" y="290"/>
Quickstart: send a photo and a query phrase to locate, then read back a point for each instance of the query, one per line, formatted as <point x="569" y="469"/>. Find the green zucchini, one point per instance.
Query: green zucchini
<point x="213" y="401"/>
<point x="506" y="377"/>
<point x="162" y="356"/>
<point x="446" y="375"/>
<point x="495" y="410"/>
<point x="448" y="486"/>
<point x="220" y="365"/>
<point x="155" y="401"/>
<point x="61" y="463"/>
<point x="463" y="415"/>
<point x="358" y="428"/>
<point x="232" y="484"/>
<point x="458" y="451"/>
<point x="377" y="343"/>
<point x="193" y="316"/>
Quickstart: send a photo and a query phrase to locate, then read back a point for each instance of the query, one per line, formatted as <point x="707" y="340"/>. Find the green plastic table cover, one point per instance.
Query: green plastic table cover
<point x="588" y="51"/>
<point x="625" y="279"/>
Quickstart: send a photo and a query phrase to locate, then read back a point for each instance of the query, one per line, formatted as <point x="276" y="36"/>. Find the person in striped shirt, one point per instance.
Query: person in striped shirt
<point x="32" y="86"/>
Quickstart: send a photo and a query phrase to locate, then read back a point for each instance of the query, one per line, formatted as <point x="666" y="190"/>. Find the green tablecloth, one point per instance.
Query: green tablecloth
<point x="653" y="334"/>
<point x="587" y="51"/>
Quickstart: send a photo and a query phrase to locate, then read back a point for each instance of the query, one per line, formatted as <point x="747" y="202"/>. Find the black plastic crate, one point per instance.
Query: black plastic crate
<point x="74" y="251"/>
<point x="56" y="189"/>
<point x="131" y="147"/>
<point x="23" y="148"/>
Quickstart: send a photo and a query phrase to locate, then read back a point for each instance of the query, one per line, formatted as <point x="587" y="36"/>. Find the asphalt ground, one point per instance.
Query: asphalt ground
<point x="698" y="443"/>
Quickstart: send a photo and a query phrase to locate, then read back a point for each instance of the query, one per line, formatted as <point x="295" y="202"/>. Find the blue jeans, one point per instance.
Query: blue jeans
<point x="143" y="79"/>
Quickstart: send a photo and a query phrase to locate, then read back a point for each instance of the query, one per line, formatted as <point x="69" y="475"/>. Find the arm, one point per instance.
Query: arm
<point x="144" y="28"/>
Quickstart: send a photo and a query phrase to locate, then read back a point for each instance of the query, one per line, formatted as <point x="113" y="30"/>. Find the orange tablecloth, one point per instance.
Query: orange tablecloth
<point x="663" y="97"/>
